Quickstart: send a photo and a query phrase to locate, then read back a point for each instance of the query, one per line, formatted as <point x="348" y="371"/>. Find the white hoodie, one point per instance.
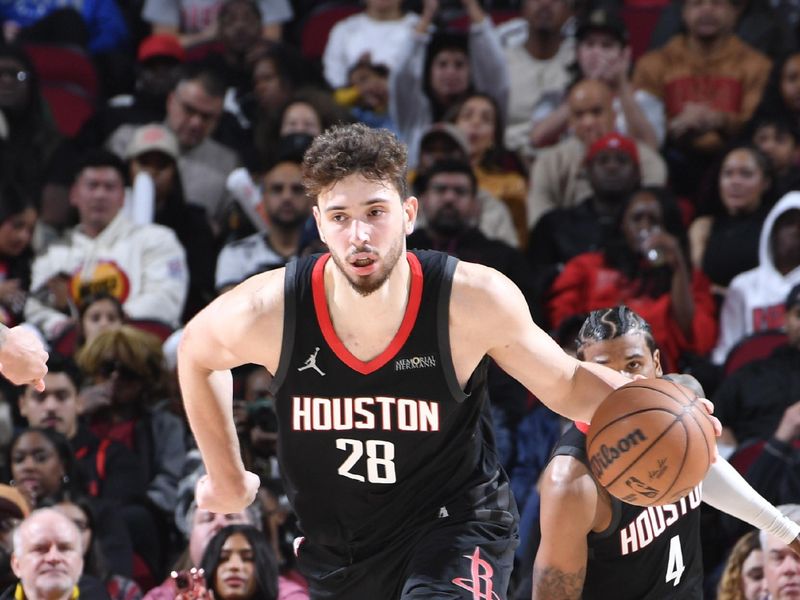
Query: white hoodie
<point x="142" y="265"/>
<point x="755" y="298"/>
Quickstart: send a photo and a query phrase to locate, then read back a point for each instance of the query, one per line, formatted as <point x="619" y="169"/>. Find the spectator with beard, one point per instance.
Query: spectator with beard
<point x="238" y="35"/>
<point x="612" y="165"/>
<point x="445" y="141"/>
<point x="287" y="208"/>
<point x="451" y="207"/>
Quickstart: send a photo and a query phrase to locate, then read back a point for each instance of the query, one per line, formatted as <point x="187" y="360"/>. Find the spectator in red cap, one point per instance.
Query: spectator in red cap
<point x="559" y="177"/>
<point x="157" y="61"/>
<point x="644" y="264"/>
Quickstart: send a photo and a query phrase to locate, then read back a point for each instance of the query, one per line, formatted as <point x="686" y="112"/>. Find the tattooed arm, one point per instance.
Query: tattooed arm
<point x="571" y="507"/>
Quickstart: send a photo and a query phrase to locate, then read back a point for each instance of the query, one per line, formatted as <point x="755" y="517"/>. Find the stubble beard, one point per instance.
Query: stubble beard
<point x="365" y="286"/>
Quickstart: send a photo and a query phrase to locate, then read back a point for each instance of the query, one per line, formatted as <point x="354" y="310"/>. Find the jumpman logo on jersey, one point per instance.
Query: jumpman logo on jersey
<point x="480" y="583"/>
<point x="311" y="363"/>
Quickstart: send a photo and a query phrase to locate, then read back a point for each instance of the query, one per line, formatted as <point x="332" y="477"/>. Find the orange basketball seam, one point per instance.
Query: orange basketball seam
<point x="683" y="462"/>
<point x="705" y="437"/>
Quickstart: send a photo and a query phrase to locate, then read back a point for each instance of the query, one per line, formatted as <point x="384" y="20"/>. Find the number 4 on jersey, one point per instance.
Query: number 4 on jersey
<point x="675" y="566"/>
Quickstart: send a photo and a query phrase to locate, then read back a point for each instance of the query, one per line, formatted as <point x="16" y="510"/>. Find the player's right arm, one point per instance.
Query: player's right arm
<point x="489" y="315"/>
<point x="569" y="511"/>
<point x="244" y="325"/>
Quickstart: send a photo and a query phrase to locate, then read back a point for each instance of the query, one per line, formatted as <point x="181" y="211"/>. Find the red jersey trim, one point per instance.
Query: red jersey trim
<point x="582" y="427"/>
<point x="329" y="333"/>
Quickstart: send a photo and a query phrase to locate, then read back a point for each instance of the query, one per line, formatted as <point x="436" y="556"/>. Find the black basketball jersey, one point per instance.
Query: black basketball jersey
<point x="370" y="448"/>
<point x="648" y="553"/>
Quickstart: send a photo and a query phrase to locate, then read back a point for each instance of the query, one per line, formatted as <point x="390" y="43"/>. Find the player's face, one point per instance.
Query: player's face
<point x="629" y="354"/>
<point x="781" y="570"/>
<point x="365" y="224"/>
<point x="235" y="578"/>
<point x="753" y="584"/>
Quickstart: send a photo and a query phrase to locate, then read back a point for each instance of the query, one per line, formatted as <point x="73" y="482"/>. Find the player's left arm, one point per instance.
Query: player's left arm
<point x="497" y="321"/>
<point x="569" y="499"/>
<point x="726" y="490"/>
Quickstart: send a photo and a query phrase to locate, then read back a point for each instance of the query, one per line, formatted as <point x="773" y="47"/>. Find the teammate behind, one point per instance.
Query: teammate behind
<point x="592" y="542"/>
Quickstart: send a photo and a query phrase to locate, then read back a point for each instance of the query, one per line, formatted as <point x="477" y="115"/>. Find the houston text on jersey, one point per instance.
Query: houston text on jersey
<point x="380" y="412"/>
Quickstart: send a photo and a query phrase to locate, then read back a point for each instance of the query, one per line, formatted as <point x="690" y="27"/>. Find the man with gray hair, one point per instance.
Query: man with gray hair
<point x="782" y="562"/>
<point x="47" y="558"/>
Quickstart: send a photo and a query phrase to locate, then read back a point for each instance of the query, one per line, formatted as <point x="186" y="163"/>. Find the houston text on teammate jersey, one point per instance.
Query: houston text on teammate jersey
<point x="654" y="520"/>
<point x="381" y="412"/>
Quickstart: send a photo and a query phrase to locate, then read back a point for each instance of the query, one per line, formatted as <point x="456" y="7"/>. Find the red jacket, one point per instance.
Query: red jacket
<point x="587" y="284"/>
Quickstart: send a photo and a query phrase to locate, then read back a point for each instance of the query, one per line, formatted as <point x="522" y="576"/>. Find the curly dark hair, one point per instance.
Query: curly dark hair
<point x="375" y="154"/>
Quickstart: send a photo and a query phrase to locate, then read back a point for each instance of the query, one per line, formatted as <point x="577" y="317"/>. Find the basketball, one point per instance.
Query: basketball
<point x="650" y="442"/>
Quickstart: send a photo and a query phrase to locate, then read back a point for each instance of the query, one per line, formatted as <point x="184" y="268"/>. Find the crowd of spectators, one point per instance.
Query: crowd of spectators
<point x="541" y="142"/>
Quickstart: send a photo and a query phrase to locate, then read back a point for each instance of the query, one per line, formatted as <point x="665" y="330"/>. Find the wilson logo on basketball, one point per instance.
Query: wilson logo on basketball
<point x="605" y="456"/>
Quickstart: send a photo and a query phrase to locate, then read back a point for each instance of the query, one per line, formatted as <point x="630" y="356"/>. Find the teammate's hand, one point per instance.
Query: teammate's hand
<point x="227" y="498"/>
<point x="23" y="359"/>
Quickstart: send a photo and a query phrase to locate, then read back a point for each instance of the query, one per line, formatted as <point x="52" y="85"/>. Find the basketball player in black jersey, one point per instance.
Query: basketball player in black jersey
<point x="595" y="546"/>
<point x="378" y="356"/>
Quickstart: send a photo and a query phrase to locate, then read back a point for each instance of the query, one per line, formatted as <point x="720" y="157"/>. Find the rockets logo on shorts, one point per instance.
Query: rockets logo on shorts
<point x="480" y="578"/>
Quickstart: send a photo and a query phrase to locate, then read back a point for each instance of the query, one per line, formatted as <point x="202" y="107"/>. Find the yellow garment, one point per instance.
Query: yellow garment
<point x="19" y="593"/>
<point x="510" y="188"/>
<point x="347" y="96"/>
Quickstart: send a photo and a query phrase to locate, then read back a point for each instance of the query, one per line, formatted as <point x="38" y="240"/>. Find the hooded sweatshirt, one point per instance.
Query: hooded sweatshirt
<point x="144" y="266"/>
<point x="755" y="298"/>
